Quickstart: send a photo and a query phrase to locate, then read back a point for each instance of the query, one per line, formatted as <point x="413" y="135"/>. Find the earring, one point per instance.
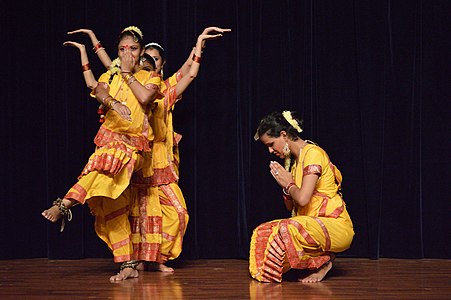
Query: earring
<point x="286" y="150"/>
<point x="287" y="154"/>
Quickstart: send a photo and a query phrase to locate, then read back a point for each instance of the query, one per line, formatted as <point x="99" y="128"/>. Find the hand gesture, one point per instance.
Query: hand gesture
<point x="211" y="33"/>
<point x="282" y="176"/>
<point x="213" y="29"/>
<point x="81" y="47"/>
<point x="85" y="31"/>
<point x="127" y="61"/>
<point x="122" y="110"/>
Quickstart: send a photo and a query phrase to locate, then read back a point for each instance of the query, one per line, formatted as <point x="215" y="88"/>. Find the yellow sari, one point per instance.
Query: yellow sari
<point x="121" y="150"/>
<point x="158" y="200"/>
<point x="306" y="240"/>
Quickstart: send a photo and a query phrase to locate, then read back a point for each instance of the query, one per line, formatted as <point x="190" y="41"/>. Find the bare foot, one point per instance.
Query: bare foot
<point x="52" y="214"/>
<point x="141" y="266"/>
<point x="59" y="208"/>
<point x="318" y="275"/>
<point x="160" y="267"/>
<point x="124" y="274"/>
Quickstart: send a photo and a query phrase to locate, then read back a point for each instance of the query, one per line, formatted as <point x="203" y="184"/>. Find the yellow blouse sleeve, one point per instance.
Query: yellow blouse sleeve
<point x="103" y="79"/>
<point x="171" y="81"/>
<point x="314" y="161"/>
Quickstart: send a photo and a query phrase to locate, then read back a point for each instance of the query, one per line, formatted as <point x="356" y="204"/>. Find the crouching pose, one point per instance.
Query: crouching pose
<point x="320" y="225"/>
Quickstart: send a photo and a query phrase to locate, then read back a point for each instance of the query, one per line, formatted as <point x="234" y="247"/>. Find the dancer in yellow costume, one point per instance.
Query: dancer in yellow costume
<point x="174" y="215"/>
<point x="320" y="224"/>
<point x="159" y="219"/>
<point x="123" y="142"/>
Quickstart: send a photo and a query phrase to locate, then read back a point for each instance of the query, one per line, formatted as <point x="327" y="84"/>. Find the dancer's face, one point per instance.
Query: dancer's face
<point x="128" y="46"/>
<point x="159" y="63"/>
<point x="275" y="144"/>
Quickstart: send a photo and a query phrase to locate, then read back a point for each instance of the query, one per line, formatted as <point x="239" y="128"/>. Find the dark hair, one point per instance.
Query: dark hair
<point x="275" y="122"/>
<point x="146" y="57"/>
<point x="157" y="47"/>
<point x="132" y="33"/>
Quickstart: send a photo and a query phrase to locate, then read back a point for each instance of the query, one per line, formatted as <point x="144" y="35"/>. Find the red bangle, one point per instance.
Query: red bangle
<point x="97" y="46"/>
<point x="286" y="189"/>
<point x="196" y="58"/>
<point x="86" y="67"/>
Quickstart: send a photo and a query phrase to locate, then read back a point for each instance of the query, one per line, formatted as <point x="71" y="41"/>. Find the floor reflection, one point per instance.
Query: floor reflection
<point x="285" y="290"/>
<point x="149" y="285"/>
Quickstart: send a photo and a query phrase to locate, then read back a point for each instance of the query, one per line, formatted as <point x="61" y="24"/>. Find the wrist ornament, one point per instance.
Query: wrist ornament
<point x="97" y="47"/>
<point x="109" y="101"/>
<point x="105" y="100"/>
<point x="196" y="58"/>
<point x="112" y="102"/>
<point x="131" y="79"/>
<point x="85" y="67"/>
<point x="126" y="76"/>
<point x="286" y="189"/>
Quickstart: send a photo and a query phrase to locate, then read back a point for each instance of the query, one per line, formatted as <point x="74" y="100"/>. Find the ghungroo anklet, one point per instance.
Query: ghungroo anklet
<point x="64" y="211"/>
<point x="129" y="264"/>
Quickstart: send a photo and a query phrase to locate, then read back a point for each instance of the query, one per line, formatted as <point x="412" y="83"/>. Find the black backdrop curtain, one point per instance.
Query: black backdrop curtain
<point x="370" y="79"/>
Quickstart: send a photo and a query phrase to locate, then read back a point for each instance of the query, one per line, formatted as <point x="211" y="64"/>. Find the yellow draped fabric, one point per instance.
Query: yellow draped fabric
<point x="170" y="82"/>
<point x="158" y="200"/>
<point x="123" y="148"/>
<point x="306" y="240"/>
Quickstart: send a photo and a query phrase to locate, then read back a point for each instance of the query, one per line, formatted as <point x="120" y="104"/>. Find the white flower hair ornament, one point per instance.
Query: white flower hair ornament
<point x="115" y="66"/>
<point x="287" y="115"/>
<point x="134" y="29"/>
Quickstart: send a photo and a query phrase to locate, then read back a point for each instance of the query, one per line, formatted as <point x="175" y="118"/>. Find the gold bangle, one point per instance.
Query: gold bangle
<point x="127" y="76"/>
<point x="114" y="101"/>
<point x="111" y="102"/>
<point x="131" y="80"/>
<point x="104" y="100"/>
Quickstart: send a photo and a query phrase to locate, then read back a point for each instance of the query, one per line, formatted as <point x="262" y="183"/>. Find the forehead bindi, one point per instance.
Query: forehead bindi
<point x="128" y="42"/>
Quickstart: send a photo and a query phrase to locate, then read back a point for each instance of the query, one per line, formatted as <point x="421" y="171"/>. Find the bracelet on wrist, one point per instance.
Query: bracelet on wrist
<point x="286" y="189"/>
<point x="97" y="46"/>
<point x="112" y="102"/>
<point x="126" y="76"/>
<point x="196" y="58"/>
<point x="131" y="79"/>
<point x="85" y="67"/>
<point x="101" y="48"/>
<point x="104" y="100"/>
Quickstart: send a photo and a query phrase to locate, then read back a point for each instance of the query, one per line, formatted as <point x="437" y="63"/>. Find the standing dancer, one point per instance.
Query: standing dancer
<point x="122" y="141"/>
<point x="159" y="220"/>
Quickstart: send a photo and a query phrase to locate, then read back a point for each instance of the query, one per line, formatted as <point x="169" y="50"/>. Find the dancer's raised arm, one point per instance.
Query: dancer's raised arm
<point x="209" y="33"/>
<point x="90" y="80"/>
<point x="212" y="31"/>
<point x="97" y="46"/>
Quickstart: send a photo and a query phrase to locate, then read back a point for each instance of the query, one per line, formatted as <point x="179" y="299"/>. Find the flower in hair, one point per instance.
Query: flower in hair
<point x="115" y="66"/>
<point x="287" y="115"/>
<point x="134" y="29"/>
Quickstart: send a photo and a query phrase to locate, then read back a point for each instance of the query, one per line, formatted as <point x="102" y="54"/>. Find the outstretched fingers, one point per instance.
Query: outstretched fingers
<point x="82" y="30"/>
<point x="73" y="44"/>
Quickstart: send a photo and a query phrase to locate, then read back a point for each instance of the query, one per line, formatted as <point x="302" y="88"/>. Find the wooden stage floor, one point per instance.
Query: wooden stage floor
<point x="350" y="278"/>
